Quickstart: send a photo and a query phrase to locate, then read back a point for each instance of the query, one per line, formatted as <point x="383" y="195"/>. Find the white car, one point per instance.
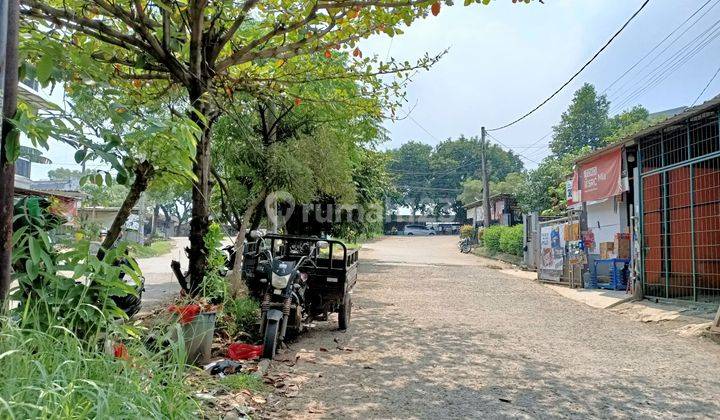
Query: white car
<point x="418" y="230"/>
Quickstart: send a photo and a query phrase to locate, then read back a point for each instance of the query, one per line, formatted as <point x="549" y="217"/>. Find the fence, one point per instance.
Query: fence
<point x="553" y="258"/>
<point x="680" y="218"/>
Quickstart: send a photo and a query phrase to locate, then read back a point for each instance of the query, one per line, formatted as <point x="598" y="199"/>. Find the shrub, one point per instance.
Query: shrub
<point x="243" y="315"/>
<point x="511" y="240"/>
<point x="491" y="238"/>
<point x="467" y="231"/>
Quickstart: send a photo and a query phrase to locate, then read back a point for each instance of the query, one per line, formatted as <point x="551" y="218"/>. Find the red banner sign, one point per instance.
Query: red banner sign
<point x="601" y="176"/>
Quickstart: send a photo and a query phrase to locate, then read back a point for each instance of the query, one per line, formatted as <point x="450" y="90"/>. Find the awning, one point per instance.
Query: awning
<point x="601" y="176"/>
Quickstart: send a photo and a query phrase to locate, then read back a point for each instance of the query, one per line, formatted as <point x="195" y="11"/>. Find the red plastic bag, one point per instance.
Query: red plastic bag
<point x="121" y="352"/>
<point x="187" y="313"/>
<point x="242" y="351"/>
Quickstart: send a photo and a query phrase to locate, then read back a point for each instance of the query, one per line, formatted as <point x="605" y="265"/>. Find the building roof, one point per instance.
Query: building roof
<point x="69" y="185"/>
<point x="32" y="192"/>
<point x="31" y="97"/>
<point x="668" y="122"/>
<point x="494" y="197"/>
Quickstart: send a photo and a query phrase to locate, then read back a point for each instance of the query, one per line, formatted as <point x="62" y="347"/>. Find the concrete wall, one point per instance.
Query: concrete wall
<point x="611" y="217"/>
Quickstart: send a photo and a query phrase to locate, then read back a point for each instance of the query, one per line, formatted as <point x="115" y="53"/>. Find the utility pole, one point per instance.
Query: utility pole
<point x="9" y="18"/>
<point x="486" y="181"/>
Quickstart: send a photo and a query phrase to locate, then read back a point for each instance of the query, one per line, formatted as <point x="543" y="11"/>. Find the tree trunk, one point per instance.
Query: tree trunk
<point x="237" y="286"/>
<point x="200" y="220"/>
<point x="7" y="168"/>
<point x="155" y="216"/>
<point x="143" y="173"/>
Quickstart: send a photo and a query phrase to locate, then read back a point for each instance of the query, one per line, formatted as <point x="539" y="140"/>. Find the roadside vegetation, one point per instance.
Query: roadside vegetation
<point x="154" y="249"/>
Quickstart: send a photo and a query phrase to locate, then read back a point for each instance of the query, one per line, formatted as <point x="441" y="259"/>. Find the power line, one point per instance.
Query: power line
<point x="423" y="128"/>
<point x="663" y="40"/>
<point x="672" y="64"/>
<point x="521" y="155"/>
<point x="578" y="72"/>
<point x="706" y="86"/>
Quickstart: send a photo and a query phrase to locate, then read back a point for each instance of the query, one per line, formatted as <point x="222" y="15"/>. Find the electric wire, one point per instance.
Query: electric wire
<point x="706" y="86"/>
<point x="619" y="31"/>
<point x="631" y="68"/>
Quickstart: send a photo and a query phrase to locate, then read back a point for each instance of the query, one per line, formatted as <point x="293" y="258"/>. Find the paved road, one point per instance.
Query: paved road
<point x="160" y="283"/>
<point x="437" y="334"/>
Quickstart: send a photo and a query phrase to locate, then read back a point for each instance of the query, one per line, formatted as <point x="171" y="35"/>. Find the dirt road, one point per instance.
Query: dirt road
<point x="437" y="334"/>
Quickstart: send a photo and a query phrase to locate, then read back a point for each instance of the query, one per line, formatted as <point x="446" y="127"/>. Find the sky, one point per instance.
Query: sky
<point x="505" y="58"/>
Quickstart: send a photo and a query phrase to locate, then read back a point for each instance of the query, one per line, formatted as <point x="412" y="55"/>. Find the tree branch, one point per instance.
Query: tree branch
<point x="71" y="20"/>
<point x="225" y="38"/>
<point x="278" y="31"/>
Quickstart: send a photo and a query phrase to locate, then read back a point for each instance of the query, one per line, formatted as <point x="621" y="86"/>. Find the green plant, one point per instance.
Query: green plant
<point x="467" y="231"/>
<point x="491" y="238"/>
<point x="71" y="289"/>
<point x="56" y="374"/>
<point x="240" y="381"/>
<point x="214" y="286"/>
<point x="511" y="240"/>
<point x="243" y="315"/>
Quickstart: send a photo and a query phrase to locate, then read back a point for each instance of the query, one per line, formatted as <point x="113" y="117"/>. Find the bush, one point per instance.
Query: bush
<point x="467" y="231"/>
<point x="511" y="240"/>
<point x="491" y="238"/>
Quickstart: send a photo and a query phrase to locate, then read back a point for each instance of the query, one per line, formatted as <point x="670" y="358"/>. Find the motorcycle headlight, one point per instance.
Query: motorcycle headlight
<point x="279" y="282"/>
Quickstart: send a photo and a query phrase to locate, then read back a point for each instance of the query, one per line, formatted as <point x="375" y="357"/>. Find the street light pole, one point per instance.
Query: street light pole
<point x="486" y="181"/>
<point x="9" y="18"/>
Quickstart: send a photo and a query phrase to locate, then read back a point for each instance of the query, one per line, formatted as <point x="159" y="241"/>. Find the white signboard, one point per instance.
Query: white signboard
<point x="551" y="252"/>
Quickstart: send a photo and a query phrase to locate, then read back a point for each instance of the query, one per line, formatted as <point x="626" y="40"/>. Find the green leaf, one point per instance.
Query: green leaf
<point x="98" y="180"/>
<point x="35" y="250"/>
<point x="468" y="2"/>
<point x="45" y="68"/>
<point x="80" y="155"/>
<point x="31" y="269"/>
<point x="108" y="179"/>
<point x="12" y="145"/>
<point x="122" y="177"/>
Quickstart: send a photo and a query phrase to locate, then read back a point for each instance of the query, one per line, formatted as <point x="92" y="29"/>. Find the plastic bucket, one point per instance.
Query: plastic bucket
<point x="198" y="335"/>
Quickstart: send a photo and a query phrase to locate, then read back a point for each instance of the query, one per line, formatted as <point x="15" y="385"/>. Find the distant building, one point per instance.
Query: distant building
<point x="503" y="211"/>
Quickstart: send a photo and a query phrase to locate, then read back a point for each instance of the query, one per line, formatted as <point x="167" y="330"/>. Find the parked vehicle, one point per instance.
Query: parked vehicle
<point x="418" y="230"/>
<point x="465" y="245"/>
<point x="298" y="279"/>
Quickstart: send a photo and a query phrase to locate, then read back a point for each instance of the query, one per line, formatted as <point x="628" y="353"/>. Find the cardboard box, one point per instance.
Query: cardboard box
<point x="622" y="245"/>
<point x="571" y="232"/>
<point x="607" y="250"/>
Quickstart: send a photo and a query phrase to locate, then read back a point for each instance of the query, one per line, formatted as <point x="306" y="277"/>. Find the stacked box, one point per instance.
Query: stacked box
<point x="571" y="232"/>
<point x="607" y="250"/>
<point x="622" y="245"/>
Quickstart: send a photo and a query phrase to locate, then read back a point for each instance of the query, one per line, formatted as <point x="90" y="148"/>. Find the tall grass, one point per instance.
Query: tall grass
<point x="53" y="374"/>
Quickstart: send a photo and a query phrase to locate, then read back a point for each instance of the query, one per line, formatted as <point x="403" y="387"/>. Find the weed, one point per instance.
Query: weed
<point x="241" y="381"/>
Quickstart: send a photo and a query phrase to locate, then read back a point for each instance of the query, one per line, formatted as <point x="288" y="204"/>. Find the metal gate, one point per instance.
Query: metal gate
<point x="680" y="217"/>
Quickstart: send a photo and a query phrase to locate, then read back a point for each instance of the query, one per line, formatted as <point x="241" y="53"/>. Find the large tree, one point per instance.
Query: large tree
<point x="585" y="123"/>
<point x="208" y="50"/>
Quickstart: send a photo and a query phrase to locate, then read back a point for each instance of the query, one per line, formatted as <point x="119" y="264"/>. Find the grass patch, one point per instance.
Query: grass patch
<point x="241" y="381"/>
<point x="155" y="249"/>
<point x="55" y="375"/>
<point x="508" y="258"/>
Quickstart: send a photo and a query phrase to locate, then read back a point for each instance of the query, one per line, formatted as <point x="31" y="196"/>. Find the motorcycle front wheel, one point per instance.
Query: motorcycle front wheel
<point x="466" y="248"/>
<point x="271" y="337"/>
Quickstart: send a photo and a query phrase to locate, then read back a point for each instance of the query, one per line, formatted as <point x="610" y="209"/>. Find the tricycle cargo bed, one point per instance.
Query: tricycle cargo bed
<point x="334" y="273"/>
